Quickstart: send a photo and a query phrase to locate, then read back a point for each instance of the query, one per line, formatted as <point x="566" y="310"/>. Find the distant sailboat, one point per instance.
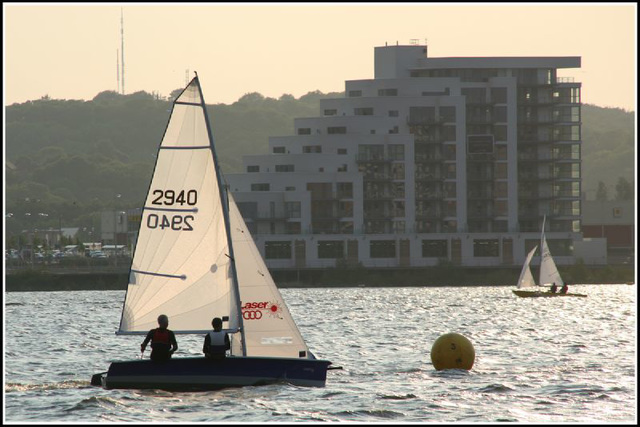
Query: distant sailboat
<point x="549" y="274"/>
<point x="195" y="260"/>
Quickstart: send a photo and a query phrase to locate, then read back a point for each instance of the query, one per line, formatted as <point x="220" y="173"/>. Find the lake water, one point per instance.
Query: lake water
<point x="538" y="360"/>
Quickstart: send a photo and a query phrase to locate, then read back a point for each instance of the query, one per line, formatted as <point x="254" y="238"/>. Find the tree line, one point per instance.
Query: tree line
<point x="68" y="160"/>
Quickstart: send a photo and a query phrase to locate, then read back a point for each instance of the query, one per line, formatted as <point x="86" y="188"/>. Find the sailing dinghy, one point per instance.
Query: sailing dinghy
<point x="549" y="274"/>
<point x="195" y="260"/>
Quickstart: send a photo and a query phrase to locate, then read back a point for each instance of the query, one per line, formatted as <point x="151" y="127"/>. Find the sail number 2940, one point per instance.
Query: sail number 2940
<point x="175" y="222"/>
<point x="170" y="198"/>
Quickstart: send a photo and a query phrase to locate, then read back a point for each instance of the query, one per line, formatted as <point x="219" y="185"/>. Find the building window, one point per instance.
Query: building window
<point x="355" y="93"/>
<point x="500" y="114"/>
<point x="449" y="133"/>
<point x="448" y="114"/>
<point x="331" y="249"/>
<point x="260" y="187"/>
<point x="399" y="226"/>
<point x="499" y="95"/>
<point x="285" y="168"/>
<point x="304" y="131"/>
<point x="342" y="168"/>
<point x="486" y="248"/>
<point x="248" y="210"/>
<point x="253" y="168"/>
<point x="277" y="250"/>
<point x="292" y="209"/>
<point x="382" y="249"/>
<point x="387" y="92"/>
<point x="278" y="150"/>
<point x="346" y="227"/>
<point x="342" y="151"/>
<point x="290" y="189"/>
<point x="344" y="190"/>
<point x="393" y="113"/>
<point x="500" y="208"/>
<point x="332" y="130"/>
<point x="363" y="111"/>
<point x="345" y="209"/>
<point x="330" y="112"/>
<point x="397" y="171"/>
<point x="617" y="212"/>
<point x="398" y="208"/>
<point x="396" y="151"/>
<point x="293" y="228"/>
<point x="312" y="149"/>
<point x="449" y="152"/>
<point x="434" y="249"/>
<point x="422" y="115"/>
<point x="397" y="190"/>
<point x="500" y="189"/>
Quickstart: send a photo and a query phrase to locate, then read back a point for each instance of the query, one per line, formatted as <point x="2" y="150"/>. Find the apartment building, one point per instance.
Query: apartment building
<point x="454" y="159"/>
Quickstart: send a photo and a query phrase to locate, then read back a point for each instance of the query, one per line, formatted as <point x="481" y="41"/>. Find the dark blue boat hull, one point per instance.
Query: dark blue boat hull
<point x="199" y="373"/>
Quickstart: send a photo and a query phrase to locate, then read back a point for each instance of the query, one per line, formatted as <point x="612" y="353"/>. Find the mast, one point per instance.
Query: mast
<point x="225" y="211"/>
<point x="122" y="45"/>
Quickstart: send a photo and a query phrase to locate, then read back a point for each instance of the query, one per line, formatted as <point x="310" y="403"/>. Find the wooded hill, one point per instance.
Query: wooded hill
<point x="70" y="159"/>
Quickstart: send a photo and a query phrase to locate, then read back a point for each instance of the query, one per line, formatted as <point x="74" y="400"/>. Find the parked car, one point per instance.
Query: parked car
<point x="97" y="254"/>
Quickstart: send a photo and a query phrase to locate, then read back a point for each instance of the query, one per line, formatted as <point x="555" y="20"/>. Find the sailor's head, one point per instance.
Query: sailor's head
<point x="216" y="323"/>
<point x="163" y="321"/>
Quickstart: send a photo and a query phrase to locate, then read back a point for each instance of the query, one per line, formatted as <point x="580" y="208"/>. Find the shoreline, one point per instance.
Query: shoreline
<point x="38" y="280"/>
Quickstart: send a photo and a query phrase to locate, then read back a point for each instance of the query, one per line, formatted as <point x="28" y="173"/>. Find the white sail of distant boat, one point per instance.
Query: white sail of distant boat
<point x="195" y="260"/>
<point x="526" y="279"/>
<point x="549" y="273"/>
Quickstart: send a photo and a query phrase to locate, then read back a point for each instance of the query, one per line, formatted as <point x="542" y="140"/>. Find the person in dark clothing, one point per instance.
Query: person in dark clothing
<point x="163" y="341"/>
<point x="216" y="342"/>
<point x="554" y="288"/>
<point x="564" y="289"/>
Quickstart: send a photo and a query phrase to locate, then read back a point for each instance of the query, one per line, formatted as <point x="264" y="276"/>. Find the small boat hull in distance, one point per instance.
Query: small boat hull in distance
<point x="199" y="373"/>
<point x="540" y="294"/>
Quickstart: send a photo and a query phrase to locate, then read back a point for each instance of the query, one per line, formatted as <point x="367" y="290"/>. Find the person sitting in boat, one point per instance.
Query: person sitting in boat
<point x="216" y="342"/>
<point x="564" y="289"/>
<point x="554" y="288"/>
<point x="163" y="341"/>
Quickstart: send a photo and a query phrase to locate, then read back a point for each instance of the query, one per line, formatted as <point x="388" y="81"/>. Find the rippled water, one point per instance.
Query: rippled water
<point x="537" y="360"/>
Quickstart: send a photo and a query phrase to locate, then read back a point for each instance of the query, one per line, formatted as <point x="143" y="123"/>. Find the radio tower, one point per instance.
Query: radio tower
<point x="118" y="67"/>
<point x="122" y="46"/>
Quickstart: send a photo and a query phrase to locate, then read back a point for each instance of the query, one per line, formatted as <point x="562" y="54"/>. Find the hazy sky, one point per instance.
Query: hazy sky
<point x="69" y="51"/>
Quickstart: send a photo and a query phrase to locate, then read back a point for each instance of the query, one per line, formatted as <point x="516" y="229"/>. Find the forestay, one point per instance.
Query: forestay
<point x="181" y="264"/>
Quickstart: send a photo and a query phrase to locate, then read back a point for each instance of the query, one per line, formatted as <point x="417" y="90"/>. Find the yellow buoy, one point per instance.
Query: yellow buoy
<point x="452" y="351"/>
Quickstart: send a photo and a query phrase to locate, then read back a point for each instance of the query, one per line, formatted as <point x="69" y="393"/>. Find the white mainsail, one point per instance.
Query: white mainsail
<point x="268" y="325"/>
<point x="182" y="263"/>
<point x="526" y="279"/>
<point x="549" y="273"/>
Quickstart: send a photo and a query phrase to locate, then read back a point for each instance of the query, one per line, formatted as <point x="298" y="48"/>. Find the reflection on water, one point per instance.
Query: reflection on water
<point x="537" y="360"/>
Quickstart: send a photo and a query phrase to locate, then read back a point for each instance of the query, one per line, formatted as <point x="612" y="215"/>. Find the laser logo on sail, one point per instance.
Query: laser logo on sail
<point x="254" y="310"/>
